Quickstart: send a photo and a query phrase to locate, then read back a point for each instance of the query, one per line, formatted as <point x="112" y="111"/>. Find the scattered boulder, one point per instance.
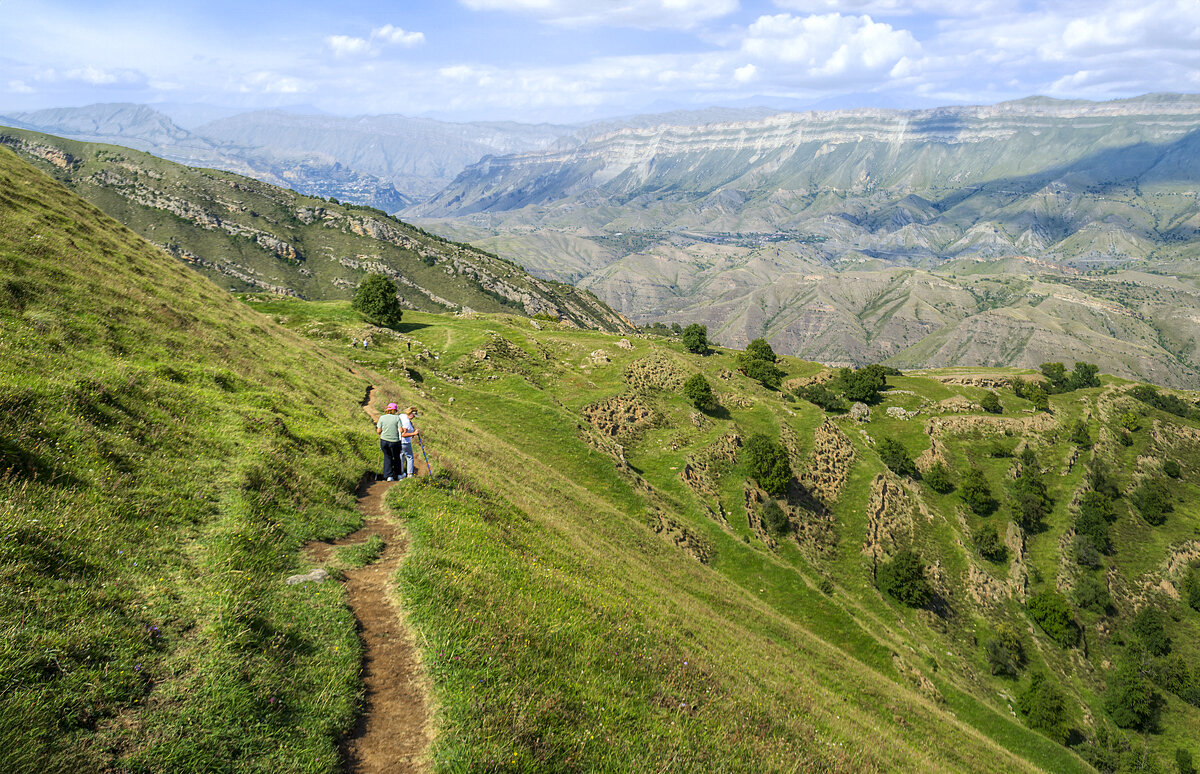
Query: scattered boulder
<point x="625" y="344"/>
<point x="318" y="575"/>
<point x="860" y="412"/>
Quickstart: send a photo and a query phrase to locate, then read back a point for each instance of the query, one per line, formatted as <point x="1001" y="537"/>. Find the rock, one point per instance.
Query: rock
<point x="599" y="357"/>
<point x="625" y="344"/>
<point x="318" y="575"/>
<point x="860" y="412"/>
<point x="898" y="412"/>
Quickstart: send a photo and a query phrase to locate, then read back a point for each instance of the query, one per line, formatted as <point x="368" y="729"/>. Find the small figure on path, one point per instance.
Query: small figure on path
<point x="407" y="433"/>
<point x="388" y="428"/>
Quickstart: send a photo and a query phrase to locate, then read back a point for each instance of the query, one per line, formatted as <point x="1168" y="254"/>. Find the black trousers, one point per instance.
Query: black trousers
<point x="392" y="459"/>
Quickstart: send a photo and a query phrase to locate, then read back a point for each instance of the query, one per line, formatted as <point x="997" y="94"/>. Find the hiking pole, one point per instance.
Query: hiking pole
<point x="428" y="470"/>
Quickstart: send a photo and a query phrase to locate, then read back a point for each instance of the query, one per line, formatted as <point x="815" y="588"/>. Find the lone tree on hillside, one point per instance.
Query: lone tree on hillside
<point x="976" y="493"/>
<point x="893" y="454"/>
<point x="769" y="464"/>
<point x="991" y="403"/>
<point x="376" y="301"/>
<point x="699" y="392"/>
<point x="903" y="578"/>
<point x="758" y="362"/>
<point x="761" y="350"/>
<point x="695" y="338"/>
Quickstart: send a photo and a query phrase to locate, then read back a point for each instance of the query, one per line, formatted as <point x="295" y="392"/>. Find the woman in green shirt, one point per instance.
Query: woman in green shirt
<point x="388" y="430"/>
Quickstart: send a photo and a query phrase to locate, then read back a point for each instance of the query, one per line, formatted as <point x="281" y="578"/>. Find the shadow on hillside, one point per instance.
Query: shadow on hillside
<point x="409" y="327"/>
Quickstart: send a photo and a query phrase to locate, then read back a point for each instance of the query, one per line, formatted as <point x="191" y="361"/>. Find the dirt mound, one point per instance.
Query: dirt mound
<point x="964" y="425"/>
<point x="829" y="463"/>
<point x="653" y="373"/>
<point x="987" y="381"/>
<point x="791" y="385"/>
<point x="704" y="468"/>
<point x="984" y="589"/>
<point x="889" y="518"/>
<point x="1170" y="575"/>
<point x="689" y="541"/>
<point x="755" y="497"/>
<point x="621" y="416"/>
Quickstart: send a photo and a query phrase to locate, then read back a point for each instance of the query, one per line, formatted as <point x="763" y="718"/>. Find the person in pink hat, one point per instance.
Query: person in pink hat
<point x="388" y="429"/>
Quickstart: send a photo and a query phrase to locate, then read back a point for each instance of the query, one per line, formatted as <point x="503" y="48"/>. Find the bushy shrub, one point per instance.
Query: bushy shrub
<point x="1086" y="552"/>
<point x="1183" y="761"/>
<point x="989" y="544"/>
<point x="976" y="493"/>
<point x="1101" y="479"/>
<point x="1005" y="652"/>
<point x="990" y="403"/>
<point x="1151" y="500"/>
<point x="1150" y="626"/>
<point x="759" y="349"/>
<point x="767" y="374"/>
<point x="774" y="518"/>
<point x="697" y="390"/>
<point x="1091" y="594"/>
<point x="938" y="478"/>
<point x="903" y="578"/>
<point x="377" y="302"/>
<point x="1130" y="698"/>
<point x="862" y="385"/>
<point x="1171" y="469"/>
<point x="1030" y="501"/>
<point x="695" y="338"/>
<point x="1079" y="434"/>
<point x="1053" y="613"/>
<point x="769" y="464"/>
<point x="822" y="396"/>
<point x="1092" y="522"/>
<point x="1168" y="403"/>
<point x="893" y="454"/>
<point x="1044" y="706"/>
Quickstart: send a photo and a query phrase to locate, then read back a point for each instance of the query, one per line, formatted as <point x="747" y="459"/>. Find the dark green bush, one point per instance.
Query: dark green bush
<point x="1091" y="594"/>
<point x="989" y="544"/>
<point x="1079" y="434"/>
<point x="903" y="578"/>
<point x="1171" y="469"/>
<point x="938" y="478"/>
<point x="990" y="403"/>
<point x="774" y="518"/>
<point x="1150" y="626"/>
<point x="976" y="493"/>
<point x="862" y="385"/>
<point x="1151" y="500"/>
<point x="697" y="390"/>
<point x="1086" y="552"/>
<point x="695" y="338"/>
<point x="1130" y="698"/>
<point x="377" y="302"/>
<point x="1029" y="499"/>
<point x="767" y="374"/>
<point x="1053" y="613"/>
<point x="1093" y="523"/>
<point x="1044" y="706"/>
<point x="822" y="396"/>
<point x="1005" y="652"/>
<point x="893" y="454"/>
<point x="769" y="464"/>
<point x="759" y="349"/>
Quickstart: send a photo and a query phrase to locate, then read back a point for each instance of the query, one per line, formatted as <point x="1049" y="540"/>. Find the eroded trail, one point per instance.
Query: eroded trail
<point x="393" y="732"/>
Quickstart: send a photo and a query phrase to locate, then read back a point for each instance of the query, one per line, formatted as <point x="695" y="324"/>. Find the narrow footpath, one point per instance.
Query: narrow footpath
<point x="394" y="730"/>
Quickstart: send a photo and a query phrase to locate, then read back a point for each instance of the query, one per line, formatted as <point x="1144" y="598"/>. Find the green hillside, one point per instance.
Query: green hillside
<point x="595" y="575"/>
<point x="248" y="235"/>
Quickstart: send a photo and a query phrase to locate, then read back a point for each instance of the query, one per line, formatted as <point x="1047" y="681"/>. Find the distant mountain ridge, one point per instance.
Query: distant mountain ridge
<point x="249" y="235"/>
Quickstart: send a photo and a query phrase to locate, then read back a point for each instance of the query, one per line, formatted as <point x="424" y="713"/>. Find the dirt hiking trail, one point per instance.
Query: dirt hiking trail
<point x="393" y="733"/>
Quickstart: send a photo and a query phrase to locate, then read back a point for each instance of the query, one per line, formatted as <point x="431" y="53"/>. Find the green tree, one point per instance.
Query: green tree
<point x="1151" y="500"/>
<point x="822" y="396"/>
<point x="1029" y="499"/>
<point x="1093" y="522"/>
<point x="893" y="454"/>
<point x="862" y="385"/>
<point x="767" y="374"/>
<point x="769" y="464"/>
<point x="1130" y="421"/>
<point x="1183" y="761"/>
<point x="1130" y="698"/>
<point x="1100" y="479"/>
<point x="1056" y="377"/>
<point x="903" y="578"/>
<point x="1150" y="626"/>
<point x="1084" y="375"/>
<point x="1053" y="613"/>
<point x="376" y="301"/>
<point x="695" y="338"/>
<point x="989" y="544"/>
<point x="1045" y="707"/>
<point x="990" y="403"/>
<point x="938" y="478"/>
<point x="1005" y="652"/>
<point x="697" y="390"/>
<point x="976" y="493"/>
<point x="774" y="518"/>
<point x="759" y="349"/>
<point x="1171" y="469"/>
<point x="1091" y="594"/>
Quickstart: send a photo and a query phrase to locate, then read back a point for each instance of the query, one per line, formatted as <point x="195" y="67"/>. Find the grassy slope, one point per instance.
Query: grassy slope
<point x="165" y="451"/>
<point x="561" y="632"/>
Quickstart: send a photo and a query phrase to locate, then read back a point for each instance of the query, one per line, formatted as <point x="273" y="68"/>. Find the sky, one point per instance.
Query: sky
<point x="575" y="60"/>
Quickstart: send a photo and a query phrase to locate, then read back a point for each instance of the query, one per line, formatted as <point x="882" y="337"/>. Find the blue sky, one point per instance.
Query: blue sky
<point x="572" y="60"/>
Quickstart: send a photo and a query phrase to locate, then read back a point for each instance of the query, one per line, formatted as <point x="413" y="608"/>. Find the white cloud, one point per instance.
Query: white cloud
<point x="900" y="7"/>
<point x="830" y="46"/>
<point x="397" y="37"/>
<point x="646" y="14"/>
<point x="344" y="45"/>
<point x="745" y="74"/>
<point x="20" y="87"/>
<point x="267" y="82"/>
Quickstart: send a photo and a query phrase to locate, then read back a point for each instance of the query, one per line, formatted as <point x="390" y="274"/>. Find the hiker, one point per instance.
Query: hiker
<point x="407" y="433"/>
<point x="388" y="429"/>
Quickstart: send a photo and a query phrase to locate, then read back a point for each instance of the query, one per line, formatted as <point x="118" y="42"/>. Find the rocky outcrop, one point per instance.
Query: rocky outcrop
<point x="829" y="463"/>
<point x="682" y="537"/>
<point x="621" y="416"/>
<point x="889" y="518"/>
<point x="657" y="372"/>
